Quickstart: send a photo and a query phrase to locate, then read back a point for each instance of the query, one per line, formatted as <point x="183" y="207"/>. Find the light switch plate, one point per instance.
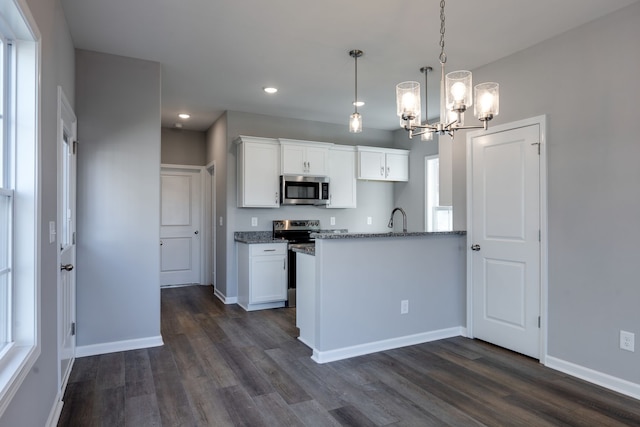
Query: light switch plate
<point x="254" y="221"/>
<point x="332" y="220"/>
<point x="52" y="231"/>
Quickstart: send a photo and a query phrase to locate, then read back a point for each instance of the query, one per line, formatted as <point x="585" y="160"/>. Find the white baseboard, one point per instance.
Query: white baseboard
<point x="112" y="347"/>
<point x="605" y="380"/>
<point x="224" y="299"/>
<point x="56" y="410"/>
<point x="373" y="347"/>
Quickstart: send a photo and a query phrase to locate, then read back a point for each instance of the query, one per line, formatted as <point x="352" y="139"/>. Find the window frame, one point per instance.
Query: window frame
<point x="22" y="140"/>
<point x="431" y="196"/>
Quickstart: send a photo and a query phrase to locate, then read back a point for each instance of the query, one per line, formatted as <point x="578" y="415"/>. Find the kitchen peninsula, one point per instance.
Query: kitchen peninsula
<point x="362" y="293"/>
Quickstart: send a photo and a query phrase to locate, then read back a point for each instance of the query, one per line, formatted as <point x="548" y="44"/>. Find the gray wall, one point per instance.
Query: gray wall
<point x="183" y="147"/>
<point x="118" y="109"/>
<point x="586" y="82"/>
<point x="35" y="398"/>
<point x="375" y="199"/>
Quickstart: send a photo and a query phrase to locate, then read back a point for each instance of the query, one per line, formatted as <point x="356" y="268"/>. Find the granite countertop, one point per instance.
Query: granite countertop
<point x="307" y="250"/>
<point x="390" y="234"/>
<point x="256" y="237"/>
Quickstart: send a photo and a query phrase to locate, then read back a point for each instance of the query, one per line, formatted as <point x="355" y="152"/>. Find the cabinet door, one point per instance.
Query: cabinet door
<point x="342" y="179"/>
<point x="371" y="165"/>
<point x="397" y="167"/>
<point x="317" y="159"/>
<point x="268" y="279"/>
<point x="293" y="160"/>
<point x="258" y="176"/>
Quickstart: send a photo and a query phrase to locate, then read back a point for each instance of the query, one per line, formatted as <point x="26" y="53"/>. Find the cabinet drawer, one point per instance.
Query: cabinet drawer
<point x="268" y="249"/>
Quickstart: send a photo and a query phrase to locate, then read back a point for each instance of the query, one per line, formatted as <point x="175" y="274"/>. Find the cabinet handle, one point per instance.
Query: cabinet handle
<point x="276" y="197"/>
<point x="268" y="250"/>
<point x="388" y="170"/>
<point x="381" y="170"/>
<point x="308" y="166"/>
<point x="284" y="264"/>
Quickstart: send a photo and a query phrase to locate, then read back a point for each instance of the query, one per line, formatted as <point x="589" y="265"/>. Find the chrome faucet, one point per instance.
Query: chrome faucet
<point x="404" y="219"/>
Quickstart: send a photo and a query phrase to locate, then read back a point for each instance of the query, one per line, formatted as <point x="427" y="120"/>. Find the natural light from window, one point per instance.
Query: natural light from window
<point x="19" y="206"/>
<point x="437" y="218"/>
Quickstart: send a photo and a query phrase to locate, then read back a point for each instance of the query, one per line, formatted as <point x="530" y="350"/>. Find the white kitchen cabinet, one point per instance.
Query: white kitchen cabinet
<point x="342" y="177"/>
<point x="383" y="164"/>
<point x="304" y="157"/>
<point x="262" y="275"/>
<point x="258" y="167"/>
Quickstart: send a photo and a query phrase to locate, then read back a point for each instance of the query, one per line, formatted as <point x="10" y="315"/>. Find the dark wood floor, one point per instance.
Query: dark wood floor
<point x="221" y="366"/>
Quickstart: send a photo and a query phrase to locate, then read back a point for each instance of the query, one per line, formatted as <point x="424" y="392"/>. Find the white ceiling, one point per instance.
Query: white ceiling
<point x="217" y="55"/>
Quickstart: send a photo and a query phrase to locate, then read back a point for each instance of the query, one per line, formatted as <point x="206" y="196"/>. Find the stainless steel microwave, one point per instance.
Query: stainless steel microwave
<point x="304" y="190"/>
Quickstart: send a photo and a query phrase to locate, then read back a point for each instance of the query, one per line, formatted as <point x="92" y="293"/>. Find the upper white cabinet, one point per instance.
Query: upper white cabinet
<point x="383" y="164"/>
<point x="304" y="157"/>
<point x="342" y="177"/>
<point x="258" y="172"/>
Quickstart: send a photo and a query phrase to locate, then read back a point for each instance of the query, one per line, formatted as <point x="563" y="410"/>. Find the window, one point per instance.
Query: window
<point x="437" y="218"/>
<point x="19" y="208"/>
<point x="6" y="196"/>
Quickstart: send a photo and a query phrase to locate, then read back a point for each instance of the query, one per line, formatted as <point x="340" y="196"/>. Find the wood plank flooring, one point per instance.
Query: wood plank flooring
<point x="222" y="366"/>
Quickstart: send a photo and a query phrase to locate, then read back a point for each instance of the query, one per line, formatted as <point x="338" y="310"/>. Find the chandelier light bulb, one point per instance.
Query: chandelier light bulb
<point x="409" y="103"/>
<point x="458" y="90"/>
<point x="486" y="102"/>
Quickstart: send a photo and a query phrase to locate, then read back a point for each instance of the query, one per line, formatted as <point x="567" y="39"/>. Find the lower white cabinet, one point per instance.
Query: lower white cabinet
<point x="262" y="275"/>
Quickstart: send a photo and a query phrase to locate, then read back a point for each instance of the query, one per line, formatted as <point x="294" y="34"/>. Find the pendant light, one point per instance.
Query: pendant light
<point x="355" y="120"/>
<point x="455" y="98"/>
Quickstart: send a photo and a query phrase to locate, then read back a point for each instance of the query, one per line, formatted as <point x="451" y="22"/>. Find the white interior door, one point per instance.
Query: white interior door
<point x="180" y="226"/>
<point x="505" y="239"/>
<point x="66" y="232"/>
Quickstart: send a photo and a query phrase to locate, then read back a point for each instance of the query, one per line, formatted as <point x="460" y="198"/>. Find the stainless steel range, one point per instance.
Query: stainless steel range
<point x="298" y="233"/>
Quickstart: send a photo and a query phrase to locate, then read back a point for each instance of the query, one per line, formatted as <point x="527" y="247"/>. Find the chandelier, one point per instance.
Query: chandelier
<point x="455" y="98"/>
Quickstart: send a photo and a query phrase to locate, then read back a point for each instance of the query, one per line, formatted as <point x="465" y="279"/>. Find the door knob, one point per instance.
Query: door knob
<point x="66" y="267"/>
<point x="196" y="232"/>
<point x="475" y="247"/>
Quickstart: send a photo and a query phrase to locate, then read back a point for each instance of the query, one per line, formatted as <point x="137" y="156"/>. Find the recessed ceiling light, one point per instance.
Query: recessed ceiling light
<point x="358" y="103"/>
<point x="184" y="115"/>
<point x="270" y="90"/>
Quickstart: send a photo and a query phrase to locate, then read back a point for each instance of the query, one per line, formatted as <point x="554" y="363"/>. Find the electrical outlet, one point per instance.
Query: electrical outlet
<point x="332" y="220"/>
<point x="254" y="221"/>
<point x="627" y="341"/>
<point x="404" y="306"/>
<point x="369" y="220"/>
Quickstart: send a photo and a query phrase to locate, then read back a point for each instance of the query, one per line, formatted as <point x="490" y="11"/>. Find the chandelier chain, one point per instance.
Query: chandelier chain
<point x="443" y="56"/>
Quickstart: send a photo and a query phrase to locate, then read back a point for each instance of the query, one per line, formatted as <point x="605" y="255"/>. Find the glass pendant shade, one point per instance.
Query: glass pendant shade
<point x="458" y="86"/>
<point x="487" y="100"/>
<point x="427" y="136"/>
<point x="408" y="102"/>
<point x="355" y="123"/>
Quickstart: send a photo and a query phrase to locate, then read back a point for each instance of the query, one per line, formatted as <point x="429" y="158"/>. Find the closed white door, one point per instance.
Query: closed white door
<point x="505" y="239"/>
<point x="180" y="226"/>
<point x="66" y="237"/>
